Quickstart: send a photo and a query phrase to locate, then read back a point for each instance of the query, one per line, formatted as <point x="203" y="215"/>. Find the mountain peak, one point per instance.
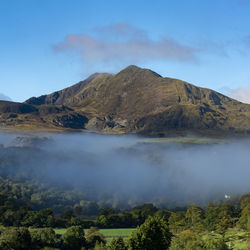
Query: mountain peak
<point x="131" y="69"/>
<point x="134" y="100"/>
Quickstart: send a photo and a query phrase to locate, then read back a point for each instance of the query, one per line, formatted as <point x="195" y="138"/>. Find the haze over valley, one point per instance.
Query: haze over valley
<point x="124" y="171"/>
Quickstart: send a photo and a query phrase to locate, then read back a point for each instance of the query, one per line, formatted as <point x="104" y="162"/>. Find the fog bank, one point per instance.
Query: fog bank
<point x="129" y="169"/>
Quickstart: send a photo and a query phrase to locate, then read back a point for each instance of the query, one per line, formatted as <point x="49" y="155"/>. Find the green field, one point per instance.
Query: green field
<point x="108" y="233"/>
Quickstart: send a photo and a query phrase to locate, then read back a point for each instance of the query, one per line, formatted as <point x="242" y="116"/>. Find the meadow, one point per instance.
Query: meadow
<point x="108" y="233"/>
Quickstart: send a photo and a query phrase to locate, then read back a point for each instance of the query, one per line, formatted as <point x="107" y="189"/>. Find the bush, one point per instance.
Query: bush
<point x="186" y="240"/>
<point x="94" y="236"/>
<point x="153" y="234"/>
<point x="117" y="244"/>
<point x="74" y="238"/>
<point x="15" y="238"/>
<point x="44" y="237"/>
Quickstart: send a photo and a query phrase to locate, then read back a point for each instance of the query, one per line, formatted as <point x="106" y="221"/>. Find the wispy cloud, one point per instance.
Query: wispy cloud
<point x="124" y="43"/>
<point x="4" y="97"/>
<point x="241" y="94"/>
<point x="123" y="30"/>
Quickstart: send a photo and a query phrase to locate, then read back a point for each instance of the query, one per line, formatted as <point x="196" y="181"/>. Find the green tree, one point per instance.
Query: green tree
<point x="214" y="243"/>
<point x="93" y="236"/>
<point x="164" y="214"/>
<point x="244" y="201"/>
<point x="153" y="234"/>
<point x="244" y="221"/>
<point x="177" y="222"/>
<point x="44" y="237"/>
<point x="100" y="246"/>
<point x="186" y="240"/>
<point x="15" y="238"/>
<point x="211" y="217"/>
<point x="73" y="238"/>
<point x="194" y="218"/>
<point x="117" y="244"/>
<point x="140" y="213"/>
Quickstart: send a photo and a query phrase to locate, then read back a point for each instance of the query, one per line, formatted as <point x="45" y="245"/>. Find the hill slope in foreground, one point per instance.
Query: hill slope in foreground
<point x="135" y="100"/>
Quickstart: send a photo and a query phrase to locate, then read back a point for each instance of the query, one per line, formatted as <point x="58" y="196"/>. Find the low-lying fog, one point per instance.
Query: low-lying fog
<point x="133" y="169"/>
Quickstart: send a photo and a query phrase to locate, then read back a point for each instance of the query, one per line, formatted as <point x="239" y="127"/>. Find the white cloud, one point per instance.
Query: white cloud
<point x="241" y="94"/>
<point x="4" y="97"/>
<point x="124" y="43"/>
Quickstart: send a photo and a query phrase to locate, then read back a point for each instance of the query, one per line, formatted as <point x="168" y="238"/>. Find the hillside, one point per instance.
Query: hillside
<point x="135" y="100"/>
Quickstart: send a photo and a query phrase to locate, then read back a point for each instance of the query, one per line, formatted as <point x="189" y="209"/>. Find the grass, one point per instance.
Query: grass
<point x="108" y="233"/>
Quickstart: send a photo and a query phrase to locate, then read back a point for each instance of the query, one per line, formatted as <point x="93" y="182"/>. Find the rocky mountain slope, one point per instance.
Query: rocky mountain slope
<point x="135" y="100"/>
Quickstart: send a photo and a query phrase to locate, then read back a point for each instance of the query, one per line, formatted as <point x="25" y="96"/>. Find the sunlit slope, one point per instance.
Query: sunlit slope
<point x="140" y="101"/>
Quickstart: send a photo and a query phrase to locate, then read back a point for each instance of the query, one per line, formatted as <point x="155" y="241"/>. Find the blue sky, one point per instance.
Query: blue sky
<point x="47" y="45"/>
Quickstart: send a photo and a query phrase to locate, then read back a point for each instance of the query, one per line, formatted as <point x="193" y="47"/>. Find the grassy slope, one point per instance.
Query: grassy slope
<point x="133" y="101"/>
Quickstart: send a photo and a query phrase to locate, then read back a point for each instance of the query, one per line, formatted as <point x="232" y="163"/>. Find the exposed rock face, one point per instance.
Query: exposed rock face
<point x="135" y="100"/>
<point x="75" y="121"/>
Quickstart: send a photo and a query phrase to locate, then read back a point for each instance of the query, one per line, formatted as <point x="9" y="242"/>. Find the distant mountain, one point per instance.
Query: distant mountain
<point x="135" y="100"/>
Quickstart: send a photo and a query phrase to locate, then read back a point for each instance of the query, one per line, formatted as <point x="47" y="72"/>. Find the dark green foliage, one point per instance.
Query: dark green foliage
<point x="164" y="214"/>
<point x="43" y="218"/>
<point x="153" y="234"/>
<point x="244" y="201"/>
<point x="211" y="217"/>
<point x="109" y="219"/>
<point x="177" y="222"/>
<point x="194" y="218"/>
<point x="117" y="244"/>
<point x="213" y="243"/>
<point x="244" y="221"/>
<point x="15" y="238"/>
<point x="44" y="237"/>
<point x="73" y="238"/>
<point x="100" y="246"/>
<point x="93" y="236"/>
<point x="186" y="240"/>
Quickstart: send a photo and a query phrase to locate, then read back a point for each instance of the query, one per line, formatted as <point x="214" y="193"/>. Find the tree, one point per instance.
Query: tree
<point x="15" y="238"/>
<point x="176" y="222"/>
<point x="153" y="234"/>
<point x="226" y="212"/>
<point x="44" y="237"/>
<point x="214" y="243"/>
<point x="244" y="221"/>
<point x="244" y="201"/>
<point x="164" y="214"/>
<point x="194" y="218"/>
<point x="186" y="240"/>
<point x="93" y="236"/>
<point x="140" y="213"/>
<point x="117" y="244"/>
<point x="73" y="238"/>
<point x="211" y="217"/>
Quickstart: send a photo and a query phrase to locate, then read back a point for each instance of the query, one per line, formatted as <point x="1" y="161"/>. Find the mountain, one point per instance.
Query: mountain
<point x="135" y="100"/>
